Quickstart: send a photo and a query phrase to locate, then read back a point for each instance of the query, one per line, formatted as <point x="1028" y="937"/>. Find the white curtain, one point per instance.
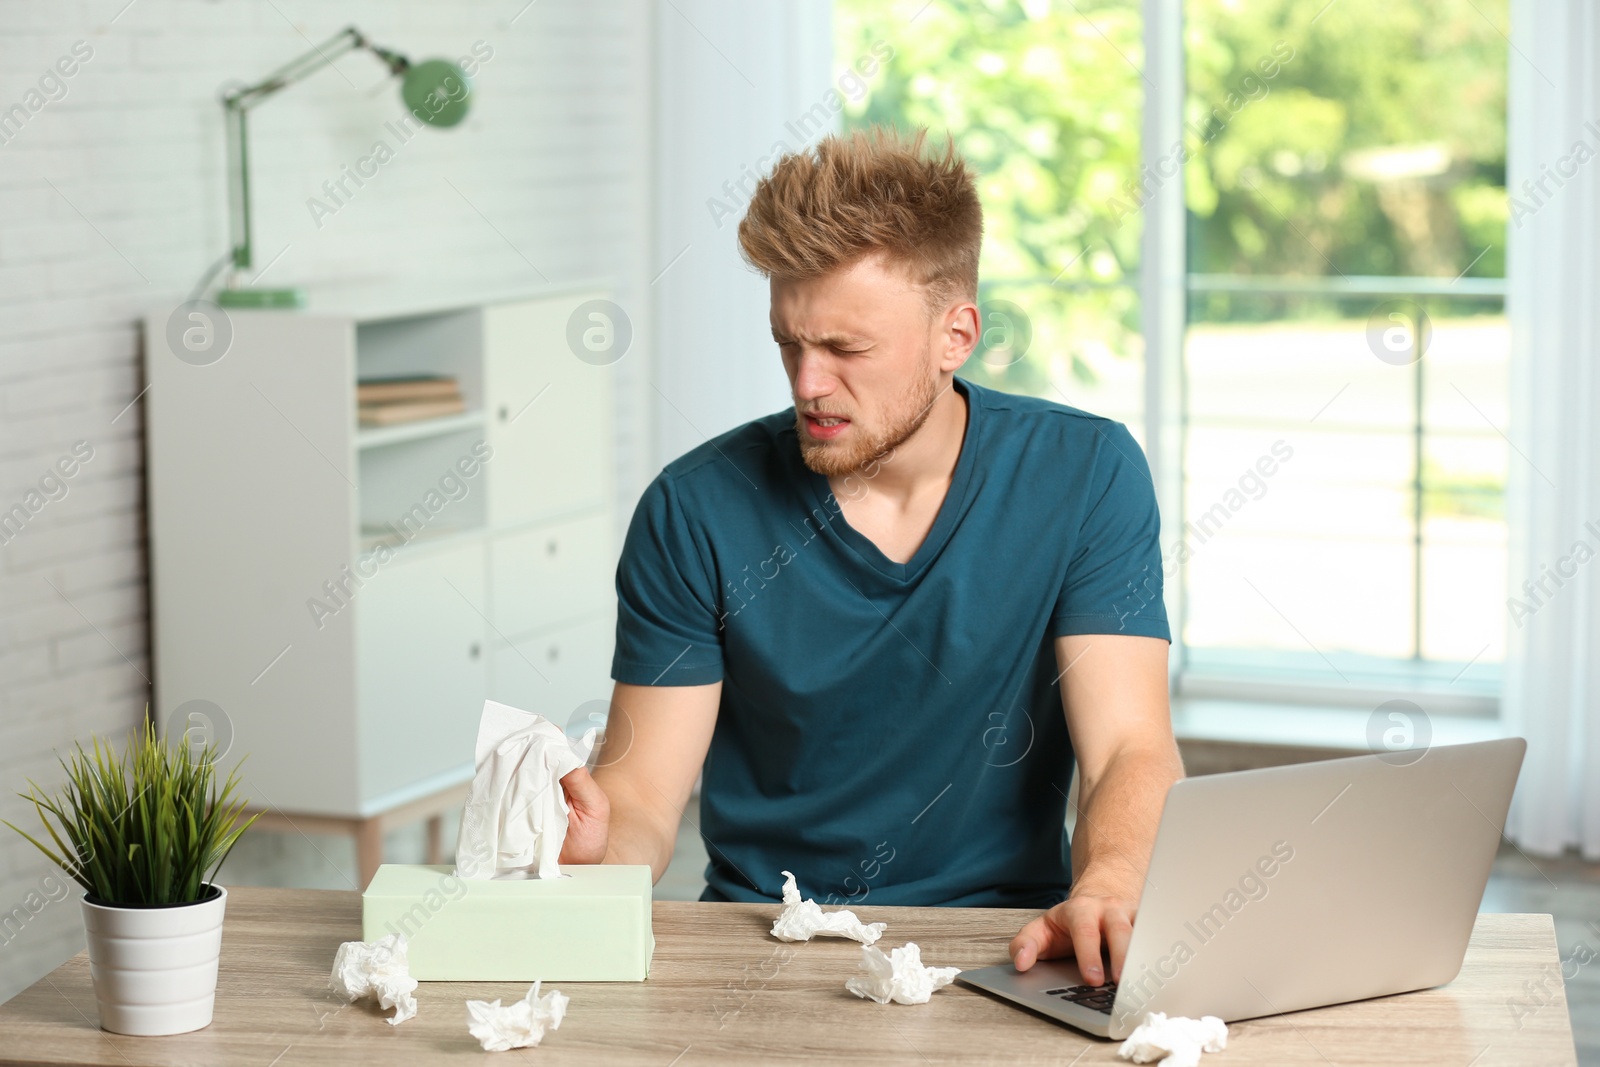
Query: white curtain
<point x="1552" y="690"/>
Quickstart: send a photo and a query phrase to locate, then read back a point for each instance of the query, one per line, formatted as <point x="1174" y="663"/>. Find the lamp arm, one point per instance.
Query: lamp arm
<point x="236" y="103"/>
<point x="346" y="40"/>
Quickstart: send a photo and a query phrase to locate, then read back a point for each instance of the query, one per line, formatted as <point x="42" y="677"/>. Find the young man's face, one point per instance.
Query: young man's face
<point x="865" y="360"/>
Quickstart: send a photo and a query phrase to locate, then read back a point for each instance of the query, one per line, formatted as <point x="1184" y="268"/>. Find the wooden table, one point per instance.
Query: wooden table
<point x="721" y="991"/>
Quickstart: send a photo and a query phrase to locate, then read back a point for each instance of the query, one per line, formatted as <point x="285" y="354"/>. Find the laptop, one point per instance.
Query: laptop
<point x="1295" y="887"/>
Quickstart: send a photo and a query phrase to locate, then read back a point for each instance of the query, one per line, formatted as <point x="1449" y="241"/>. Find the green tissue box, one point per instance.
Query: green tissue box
<point x="593" y="926"/>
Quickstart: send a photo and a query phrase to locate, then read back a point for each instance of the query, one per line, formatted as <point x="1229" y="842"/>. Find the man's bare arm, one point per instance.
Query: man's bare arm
<point x="1114" y="694"/>
<point x="628" y="810"/>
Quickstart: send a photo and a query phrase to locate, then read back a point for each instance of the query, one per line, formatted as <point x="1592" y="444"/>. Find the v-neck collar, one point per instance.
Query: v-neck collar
<point x="950" y="509"/>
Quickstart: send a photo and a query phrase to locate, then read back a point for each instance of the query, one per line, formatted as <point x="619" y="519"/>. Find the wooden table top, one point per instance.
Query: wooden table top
<point x="721" y="991"/>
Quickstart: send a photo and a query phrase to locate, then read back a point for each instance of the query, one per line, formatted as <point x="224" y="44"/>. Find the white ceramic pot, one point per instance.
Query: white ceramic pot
<point x="155" y="968"/>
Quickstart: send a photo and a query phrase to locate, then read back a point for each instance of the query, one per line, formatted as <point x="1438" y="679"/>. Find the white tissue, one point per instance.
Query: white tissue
<point x="1176" y="1042"/>
<point x="515" y="818"/>
<point x="801" y="920"/>
<point x="518" y="1025"/>
<point x="378" y="969"/>
<point x="899" y="976"/>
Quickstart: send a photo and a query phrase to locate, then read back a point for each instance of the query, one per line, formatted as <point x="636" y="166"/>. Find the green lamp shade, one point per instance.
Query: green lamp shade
<point x="437" y="92"/>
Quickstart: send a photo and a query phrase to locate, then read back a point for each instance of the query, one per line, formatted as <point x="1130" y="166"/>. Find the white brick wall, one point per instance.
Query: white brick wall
<point x="112" y="203"/>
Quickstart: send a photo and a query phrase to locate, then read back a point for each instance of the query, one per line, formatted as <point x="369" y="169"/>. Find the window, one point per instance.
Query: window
<point x="1340" y="518"/>
<point x="1346" y="205"/>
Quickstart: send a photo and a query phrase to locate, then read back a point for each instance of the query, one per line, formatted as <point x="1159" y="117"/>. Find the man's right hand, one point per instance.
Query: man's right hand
<point x="588" y="821"/>
<point x="655" y="743"/>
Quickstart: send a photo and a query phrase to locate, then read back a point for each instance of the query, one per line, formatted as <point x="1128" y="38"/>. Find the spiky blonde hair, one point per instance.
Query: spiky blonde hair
<point x="871" y="191"/>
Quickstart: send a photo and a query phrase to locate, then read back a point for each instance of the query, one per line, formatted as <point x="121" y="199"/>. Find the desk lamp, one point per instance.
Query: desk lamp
<point x="437" y="92"/>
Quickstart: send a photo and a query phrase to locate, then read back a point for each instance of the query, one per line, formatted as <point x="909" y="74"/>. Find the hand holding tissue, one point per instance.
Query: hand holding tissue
<point x="507" y="911"/>
<point x="515" y="819"/>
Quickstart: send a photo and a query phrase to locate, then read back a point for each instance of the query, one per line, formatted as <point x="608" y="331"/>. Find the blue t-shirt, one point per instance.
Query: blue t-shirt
<point x="891" y="730"/>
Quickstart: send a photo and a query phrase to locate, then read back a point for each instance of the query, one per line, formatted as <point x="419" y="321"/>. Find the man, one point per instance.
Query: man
<point x="855" y="614"/>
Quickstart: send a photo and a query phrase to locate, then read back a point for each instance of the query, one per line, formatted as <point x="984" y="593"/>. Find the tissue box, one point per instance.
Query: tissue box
<point x="593" y="926"/>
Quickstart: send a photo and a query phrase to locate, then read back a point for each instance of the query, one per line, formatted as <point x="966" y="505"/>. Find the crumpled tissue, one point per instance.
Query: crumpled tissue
<point x="899" y="976"/>
<point x="517" y="1025"/>
<point x="1176" y="1042"/>
<point x="801" y="920"/>
<point x="515" y="817"/>
<point x="377" y="969"/>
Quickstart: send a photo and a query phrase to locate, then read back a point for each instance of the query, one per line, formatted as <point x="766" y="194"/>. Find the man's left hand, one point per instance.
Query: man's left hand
<point x="1077" y="927"/>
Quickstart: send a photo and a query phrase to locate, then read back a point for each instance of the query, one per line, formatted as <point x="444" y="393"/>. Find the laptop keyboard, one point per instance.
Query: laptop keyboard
<point x="1094" y="997"/>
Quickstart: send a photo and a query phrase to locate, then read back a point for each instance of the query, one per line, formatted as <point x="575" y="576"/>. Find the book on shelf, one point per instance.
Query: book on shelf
<point x="416" y="387"/>
<point x="401" y="411"/>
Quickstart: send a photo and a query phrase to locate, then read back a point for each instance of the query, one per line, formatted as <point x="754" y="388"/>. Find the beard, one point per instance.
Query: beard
<point x="837" y="458"/>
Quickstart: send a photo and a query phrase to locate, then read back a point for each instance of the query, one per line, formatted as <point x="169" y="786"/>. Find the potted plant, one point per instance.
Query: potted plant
<point x="144" y="834"/>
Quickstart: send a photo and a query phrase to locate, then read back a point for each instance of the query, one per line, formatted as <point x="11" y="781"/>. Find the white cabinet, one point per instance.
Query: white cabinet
<point x="557" y="658"/>
<point x="549" y="573"/>
<point x="547" y="460"/>
<point x="422" y="666"/>
<point x="560" y="673"/>
<point x="344" y="598"/>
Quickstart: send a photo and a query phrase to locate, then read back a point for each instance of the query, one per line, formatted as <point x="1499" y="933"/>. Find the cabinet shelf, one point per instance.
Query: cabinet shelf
<point x="378" y="436"/>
